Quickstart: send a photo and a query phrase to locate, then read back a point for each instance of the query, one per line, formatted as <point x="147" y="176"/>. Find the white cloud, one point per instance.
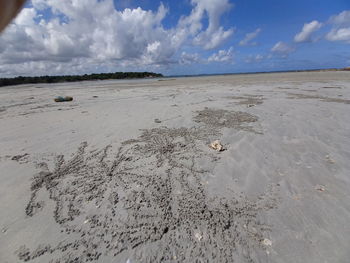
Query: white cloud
<point x="249" y="37"/>
<point x="306" y="33"/>
<point x="254" y="58"/>
<point x="342" y="18"/>
<point x="341" y="34"/>
<point x="223" y="56"/>
<point x="282" y="49"/>
<point x="91" y="36"/>
<point x="341" y="27"/>
<point x="214" y="35"/>
<point x="211" y="40"/>
<point x="188" y="59"/>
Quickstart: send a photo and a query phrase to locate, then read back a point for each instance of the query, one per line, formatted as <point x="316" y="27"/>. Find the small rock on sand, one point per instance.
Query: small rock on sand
<point x="63" y="99"/>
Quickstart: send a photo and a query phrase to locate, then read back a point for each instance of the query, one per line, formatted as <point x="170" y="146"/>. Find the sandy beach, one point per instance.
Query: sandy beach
<point x="125" y="171"/>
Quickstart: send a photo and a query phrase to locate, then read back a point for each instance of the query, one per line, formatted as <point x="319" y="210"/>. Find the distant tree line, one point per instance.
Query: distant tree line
<point x="72" y="78"/>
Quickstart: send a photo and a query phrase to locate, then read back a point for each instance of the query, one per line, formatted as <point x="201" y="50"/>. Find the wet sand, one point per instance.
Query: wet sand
<point x="125" y="172"/>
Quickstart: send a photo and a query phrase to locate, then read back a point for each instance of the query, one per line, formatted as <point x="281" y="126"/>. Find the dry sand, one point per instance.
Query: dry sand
<point x="124" y="173"/>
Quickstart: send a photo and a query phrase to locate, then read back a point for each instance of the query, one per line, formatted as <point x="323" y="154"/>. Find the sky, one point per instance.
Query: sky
<point x="175" y="37"/>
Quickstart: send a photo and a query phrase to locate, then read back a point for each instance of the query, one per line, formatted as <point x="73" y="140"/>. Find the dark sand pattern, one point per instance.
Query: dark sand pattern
<point x="321" y="98"/>
<point x="147" y="202"/>
<point x="332" y="87"/>
<point x="286" y="88"/>
<point x="248" y="99"/>
<point x="217" y="119"/>
<point x="20" y="157"/>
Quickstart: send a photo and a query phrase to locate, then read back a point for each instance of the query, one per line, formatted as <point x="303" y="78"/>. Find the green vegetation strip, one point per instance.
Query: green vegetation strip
<point x="72" y="78"/>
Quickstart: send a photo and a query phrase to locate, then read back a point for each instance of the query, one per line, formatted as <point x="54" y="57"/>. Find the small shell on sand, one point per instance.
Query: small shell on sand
<point x="267" y="242"/>
<point x="329" y="159"/>
<point x="217" y="146"/>
<point x="320" y="188"/>
<point x="198" y="236"/>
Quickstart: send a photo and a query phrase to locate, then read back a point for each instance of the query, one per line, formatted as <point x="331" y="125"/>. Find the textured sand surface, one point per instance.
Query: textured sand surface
<point x="125" y="173"/>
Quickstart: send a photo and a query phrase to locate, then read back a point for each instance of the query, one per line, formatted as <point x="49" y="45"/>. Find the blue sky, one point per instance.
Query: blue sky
<point x="176" y="37"/>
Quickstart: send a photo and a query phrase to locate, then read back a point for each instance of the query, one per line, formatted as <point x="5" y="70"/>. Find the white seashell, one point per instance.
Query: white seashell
<point x="320" y="188"/>
<point x="217" y="146"/>
<point x="198" y="236"/>
<point x="267" y="242"/>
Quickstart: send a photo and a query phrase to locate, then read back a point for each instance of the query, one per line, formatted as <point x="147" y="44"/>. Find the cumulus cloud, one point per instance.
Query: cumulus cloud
<point x="341" y="27"/>
<point x="306" y="33"/>
<point x="254" y="58"/>
<point x="214" y="35"/>
<point x="81" y="36"/>
<point x="341" y="34"/>
<point x="188" y="59"/>
<point x="223" y="56"/>
<point x="282" y="49"/>
<point x="249" y="37"/>
<point x="342" y="18"/>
